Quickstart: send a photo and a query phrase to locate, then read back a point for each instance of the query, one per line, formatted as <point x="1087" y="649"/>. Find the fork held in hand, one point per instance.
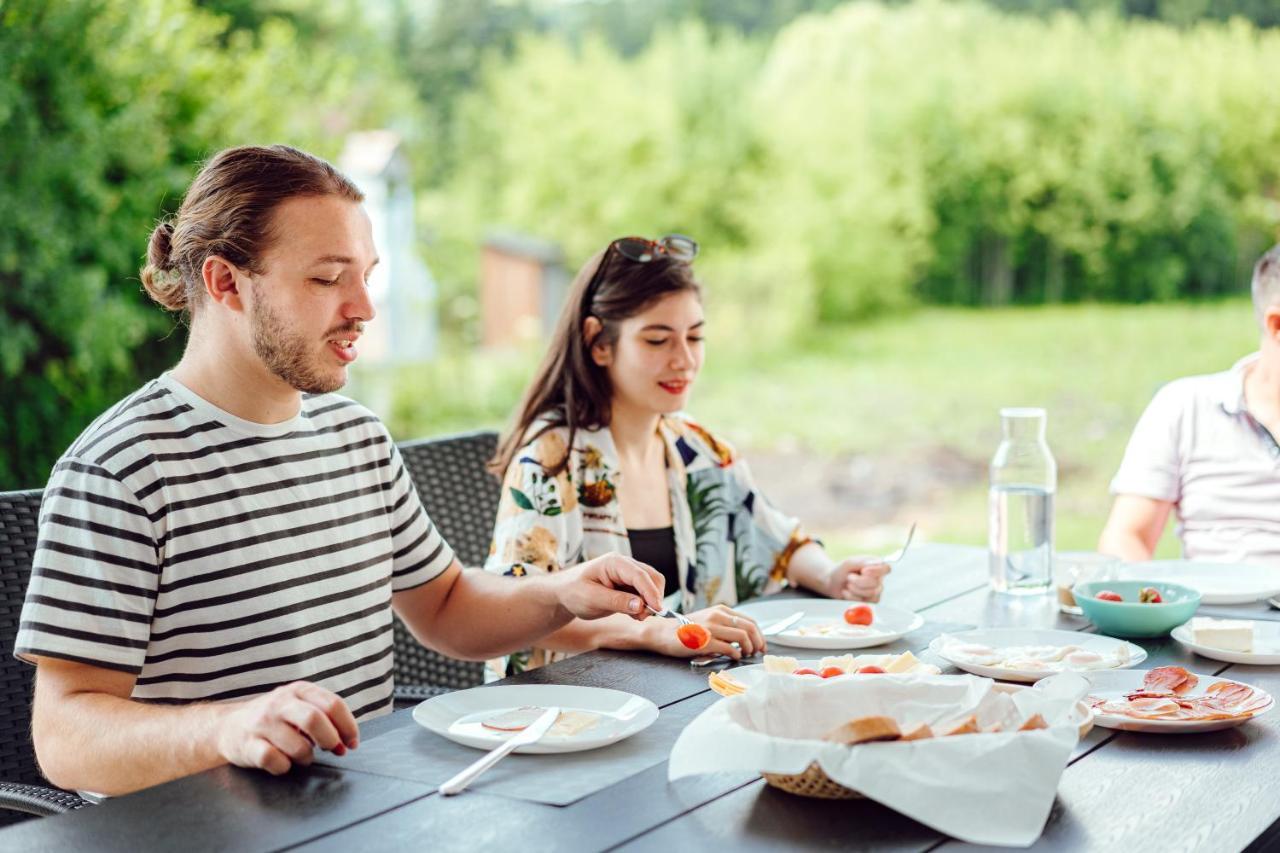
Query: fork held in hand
<point x="897" y="555"/>
<point x="668" y="613"/>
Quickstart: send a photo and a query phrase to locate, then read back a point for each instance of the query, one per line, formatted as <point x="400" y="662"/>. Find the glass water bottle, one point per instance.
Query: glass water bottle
<point x="1024" y="478"/>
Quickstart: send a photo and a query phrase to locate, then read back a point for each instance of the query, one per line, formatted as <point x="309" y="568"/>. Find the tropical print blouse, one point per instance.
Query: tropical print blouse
<point x="731" y="545"/>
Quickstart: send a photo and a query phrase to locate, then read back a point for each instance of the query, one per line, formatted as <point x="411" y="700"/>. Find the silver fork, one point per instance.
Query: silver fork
<point x="897" y="555"/>
<point x="668" y="613"/>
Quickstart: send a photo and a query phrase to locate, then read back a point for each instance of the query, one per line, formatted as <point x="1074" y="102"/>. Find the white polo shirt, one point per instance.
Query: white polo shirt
<point x="1197" y="446"/>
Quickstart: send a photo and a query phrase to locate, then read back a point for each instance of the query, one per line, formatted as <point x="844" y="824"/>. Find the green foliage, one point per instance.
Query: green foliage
<point x="106" y="107"/>
<point x="881" y="156"/>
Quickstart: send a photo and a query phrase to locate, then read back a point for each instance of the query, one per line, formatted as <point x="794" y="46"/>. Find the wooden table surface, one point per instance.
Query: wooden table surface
<point x="1120" y="791"/>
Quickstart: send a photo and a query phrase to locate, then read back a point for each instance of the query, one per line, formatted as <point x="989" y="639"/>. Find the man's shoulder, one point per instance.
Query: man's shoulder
<point x="126" y="424"/>
<point x="1187" y="392"/>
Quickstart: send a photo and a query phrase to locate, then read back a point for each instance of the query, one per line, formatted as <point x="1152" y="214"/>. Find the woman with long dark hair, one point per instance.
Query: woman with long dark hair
<point x="601" y="459"/>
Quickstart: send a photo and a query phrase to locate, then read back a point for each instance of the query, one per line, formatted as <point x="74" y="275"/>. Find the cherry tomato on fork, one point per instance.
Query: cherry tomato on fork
<point x="693" y="636"/>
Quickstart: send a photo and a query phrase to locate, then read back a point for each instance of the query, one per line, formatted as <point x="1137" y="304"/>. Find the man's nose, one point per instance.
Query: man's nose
<point x="360" y="306"/>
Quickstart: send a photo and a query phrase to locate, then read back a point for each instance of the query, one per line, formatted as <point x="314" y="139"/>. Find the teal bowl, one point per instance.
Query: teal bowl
<point x="1130" y="618"/>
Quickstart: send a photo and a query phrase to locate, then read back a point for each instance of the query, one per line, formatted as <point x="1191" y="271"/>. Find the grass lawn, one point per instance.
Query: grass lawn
<point x="904" y="392"/>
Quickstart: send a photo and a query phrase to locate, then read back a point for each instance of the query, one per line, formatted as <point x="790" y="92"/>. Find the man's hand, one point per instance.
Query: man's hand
<point x="856" y="579"/>
<point x="606" y="585"/>
<point x="275" y="731"/>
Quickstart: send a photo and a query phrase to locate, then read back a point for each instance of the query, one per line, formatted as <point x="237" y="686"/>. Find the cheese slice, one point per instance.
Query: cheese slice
<point x="904" y="662"/>
<point x="1235" y="635"/>
<point x="570" y="723"/>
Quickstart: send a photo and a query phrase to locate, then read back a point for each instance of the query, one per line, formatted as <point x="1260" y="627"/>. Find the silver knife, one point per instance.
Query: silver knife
<point x="776" y="628"/>
<point x="526" y="736"/>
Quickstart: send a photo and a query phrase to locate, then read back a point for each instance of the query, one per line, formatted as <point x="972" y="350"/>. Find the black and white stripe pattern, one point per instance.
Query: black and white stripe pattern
<point x="217" y="558"/>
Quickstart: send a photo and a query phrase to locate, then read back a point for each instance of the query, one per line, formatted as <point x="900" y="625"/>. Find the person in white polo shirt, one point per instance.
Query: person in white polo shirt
<point x="1206" y="448"/>
<point x="220" y="553"/>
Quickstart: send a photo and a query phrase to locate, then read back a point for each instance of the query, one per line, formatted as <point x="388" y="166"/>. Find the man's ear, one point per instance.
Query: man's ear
<point x="1271" y="323"/>
<point x="601" y="353"/>
<point x="222" y="282"/>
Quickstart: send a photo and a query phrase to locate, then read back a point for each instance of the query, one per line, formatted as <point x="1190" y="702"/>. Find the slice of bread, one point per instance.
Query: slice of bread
<point x="865" y="730"/>
<point x="967" y="726"/>
<point x="920" y="732"/>
<point x="1035" y="721"/>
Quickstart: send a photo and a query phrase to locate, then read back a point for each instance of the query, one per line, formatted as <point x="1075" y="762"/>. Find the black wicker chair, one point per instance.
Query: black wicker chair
<point x="23" y="789"/>
<point x="461" y="497"/>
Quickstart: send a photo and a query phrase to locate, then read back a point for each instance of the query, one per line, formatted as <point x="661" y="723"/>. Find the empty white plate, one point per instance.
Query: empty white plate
<point x="459" y="716"/>
<point x="888" y="623"/>
<point x="1218" y="583"/>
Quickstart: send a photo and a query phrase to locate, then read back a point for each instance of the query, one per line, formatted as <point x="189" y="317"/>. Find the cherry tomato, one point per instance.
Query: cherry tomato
<point x="805" y="671"/>
<point x="1108" y="595"/>
<point x="867" y="670"/>
<point x="694" y="636"/>
<point x="859" y="614"/>
<point x="1150" y="595"/>
<point x="831" y="672"/>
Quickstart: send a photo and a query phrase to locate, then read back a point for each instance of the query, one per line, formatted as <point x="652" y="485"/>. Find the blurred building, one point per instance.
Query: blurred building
<point x="403" y="290"/>
<point x="522" y="286"/>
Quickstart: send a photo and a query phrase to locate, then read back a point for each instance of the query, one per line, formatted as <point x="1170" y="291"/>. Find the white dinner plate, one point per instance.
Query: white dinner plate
<point x="1218" y="583"/>
<point x="998" y="638"/>
<point x="1114" y="684"/>
<point x="889" y="623"/>
<point x="458" y="715"/>
<point x="1266" y="645"/>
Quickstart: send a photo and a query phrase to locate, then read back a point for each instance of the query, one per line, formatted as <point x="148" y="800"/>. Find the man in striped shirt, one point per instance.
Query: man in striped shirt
<point x="220" y="552"/>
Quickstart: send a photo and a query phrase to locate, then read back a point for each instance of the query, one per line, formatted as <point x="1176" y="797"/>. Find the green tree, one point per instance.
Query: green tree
<point x="106" y="107"/>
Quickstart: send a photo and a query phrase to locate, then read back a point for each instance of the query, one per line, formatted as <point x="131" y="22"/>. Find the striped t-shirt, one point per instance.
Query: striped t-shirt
<point x="219" y="558"/>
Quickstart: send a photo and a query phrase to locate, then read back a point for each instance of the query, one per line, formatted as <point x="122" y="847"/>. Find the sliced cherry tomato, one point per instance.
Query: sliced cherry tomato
<point x="805" y="671"/>
<point x="1108" y="595"/>
<point x="859" y="614"/>
<point x="831" y="672"/>
<point x="694" y="636"/>
<point x="1150" y="595"/>
<point x="869" y="669"/>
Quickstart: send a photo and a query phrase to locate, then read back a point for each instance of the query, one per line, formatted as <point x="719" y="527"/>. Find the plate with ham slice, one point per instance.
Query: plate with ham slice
<point x="1172" y="700"/>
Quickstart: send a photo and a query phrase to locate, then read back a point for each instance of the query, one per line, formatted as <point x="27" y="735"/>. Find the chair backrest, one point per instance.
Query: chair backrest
<point x="461" y="497"/>
<point x="19" y="512"/>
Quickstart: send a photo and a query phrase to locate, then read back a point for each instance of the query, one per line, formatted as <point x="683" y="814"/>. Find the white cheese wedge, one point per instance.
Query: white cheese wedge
<point x="905" y="662"/>
<point x="1235" y="635"/>
<point x="780" y="664"/>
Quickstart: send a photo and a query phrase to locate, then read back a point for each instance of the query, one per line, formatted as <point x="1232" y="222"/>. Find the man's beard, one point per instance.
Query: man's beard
<point x="288" y="355"/>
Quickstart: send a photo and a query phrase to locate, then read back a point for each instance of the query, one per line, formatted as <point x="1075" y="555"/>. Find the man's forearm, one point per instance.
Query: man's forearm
<point x="486" y="616"/>
<point x="611" y="632"/>
<point x="103" y="743"/>
<point x="1125" y="544"/>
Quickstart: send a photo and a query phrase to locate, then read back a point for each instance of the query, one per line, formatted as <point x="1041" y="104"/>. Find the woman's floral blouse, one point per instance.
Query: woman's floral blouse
<point x="731" y="545"/>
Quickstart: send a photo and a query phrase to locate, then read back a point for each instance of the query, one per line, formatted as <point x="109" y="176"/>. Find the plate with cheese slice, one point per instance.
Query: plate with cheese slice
<point x="484" y="717"/>
<point x="1232" y="640"/>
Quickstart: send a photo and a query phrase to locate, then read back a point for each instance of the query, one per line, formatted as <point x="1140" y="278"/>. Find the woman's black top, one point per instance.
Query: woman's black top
<point x="657" y="547"/>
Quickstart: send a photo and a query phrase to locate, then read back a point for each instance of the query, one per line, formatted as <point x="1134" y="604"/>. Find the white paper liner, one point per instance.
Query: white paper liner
<point x="983" y="788"/>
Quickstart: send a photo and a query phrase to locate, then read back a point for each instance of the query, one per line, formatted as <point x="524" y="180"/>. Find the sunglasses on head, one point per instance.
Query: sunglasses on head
<point x="678" y="247"/>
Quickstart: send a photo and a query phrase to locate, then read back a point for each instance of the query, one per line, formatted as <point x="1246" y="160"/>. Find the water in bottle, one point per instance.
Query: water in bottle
<point x="1024" y="479"/>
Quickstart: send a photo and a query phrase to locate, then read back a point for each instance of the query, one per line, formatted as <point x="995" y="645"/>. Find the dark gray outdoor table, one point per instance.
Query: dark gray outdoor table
<point x="1121" y="791"/>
